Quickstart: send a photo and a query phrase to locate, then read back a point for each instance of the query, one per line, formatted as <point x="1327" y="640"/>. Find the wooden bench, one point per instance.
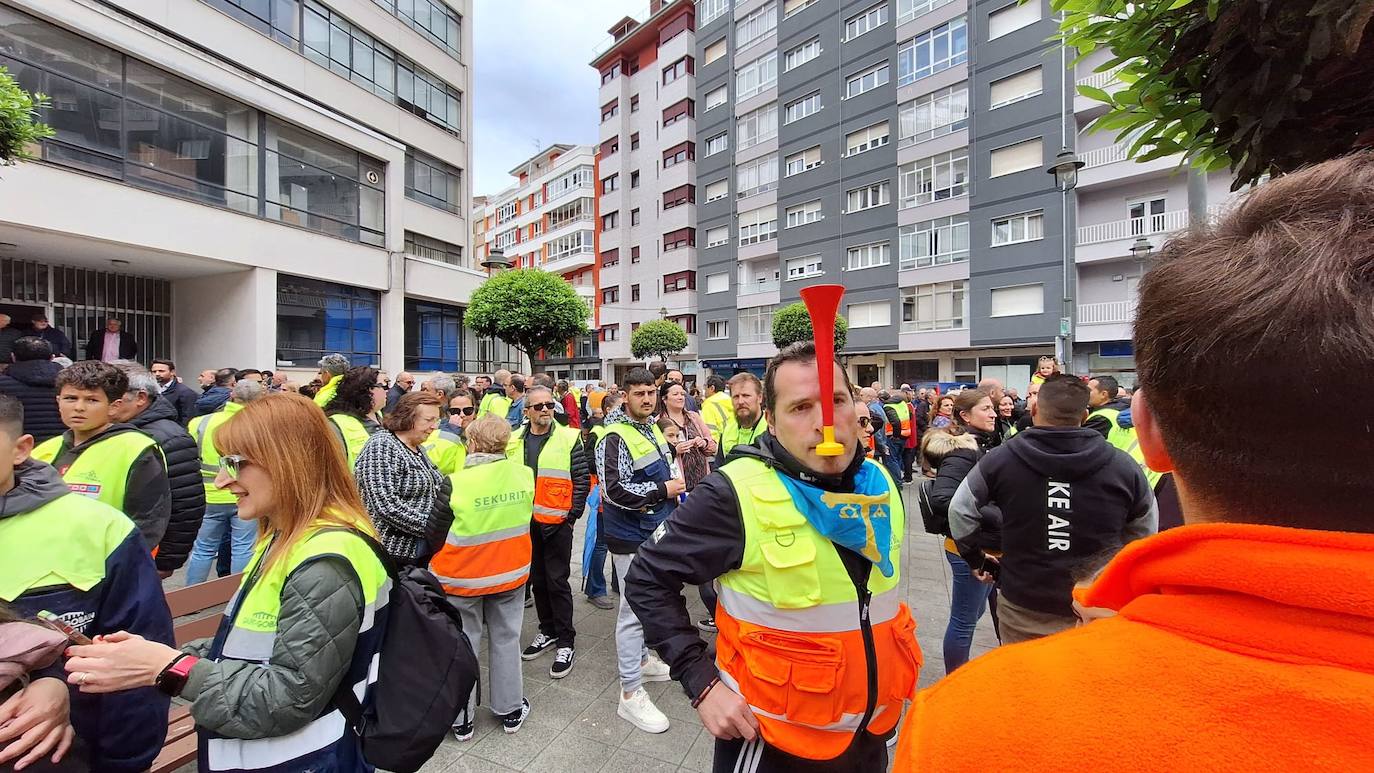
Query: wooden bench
<point x="180" y="747"/>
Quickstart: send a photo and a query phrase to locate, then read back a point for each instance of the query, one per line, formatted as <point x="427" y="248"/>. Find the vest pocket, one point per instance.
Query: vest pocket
<point x="789" y="564"/>
<point x="795" y="675"/>
<point x="907" y="663"/>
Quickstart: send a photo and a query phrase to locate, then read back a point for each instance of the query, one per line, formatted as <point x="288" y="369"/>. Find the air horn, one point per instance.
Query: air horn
<point x="822" y="305"/>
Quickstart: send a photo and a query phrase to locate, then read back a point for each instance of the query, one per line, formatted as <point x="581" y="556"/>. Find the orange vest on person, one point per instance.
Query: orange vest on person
<point x="1234" y="647"/>
<point x="792" y="628"/>
<point x="487" y="549"/>
<point x="553" y="483"/>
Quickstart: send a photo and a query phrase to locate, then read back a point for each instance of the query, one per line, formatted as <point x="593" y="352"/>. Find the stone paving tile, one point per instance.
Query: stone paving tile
<point x="623" y="761"/>
<point x="670" y="746"/>
<point x="572" y="753"/>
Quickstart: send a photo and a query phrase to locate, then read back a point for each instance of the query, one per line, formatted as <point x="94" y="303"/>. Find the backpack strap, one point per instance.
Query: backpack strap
<point x="344" y="698"/>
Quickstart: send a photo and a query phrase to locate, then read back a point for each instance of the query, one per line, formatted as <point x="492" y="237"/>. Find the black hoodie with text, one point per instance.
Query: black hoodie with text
<point x="1065" y="500"/>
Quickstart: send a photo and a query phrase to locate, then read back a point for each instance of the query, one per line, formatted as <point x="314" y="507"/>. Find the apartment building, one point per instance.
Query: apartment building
<point x="899" y="148"/>
<point x="646" y="181"/>
<point x="547" y="219"/>
<point x="248" y="183"/>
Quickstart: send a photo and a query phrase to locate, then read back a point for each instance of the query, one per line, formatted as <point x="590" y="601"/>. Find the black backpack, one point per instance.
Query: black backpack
<point x="934" y="522"/>
<point x="427" y="671"/>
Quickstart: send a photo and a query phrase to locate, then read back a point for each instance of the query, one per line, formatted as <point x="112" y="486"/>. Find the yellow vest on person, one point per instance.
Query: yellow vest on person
<point x="718" y="413"/>
<point x="446" y="449"/>
<point x="101" y="471"/>
<point x="353" y="433"/>
<point x="1125" y="439"/>
<point x="497" y="405"/>
<point x="487" y="549"/>
<point x="65" y="542"/>
<point x="735" y="435"/>
<point x="553" y="483"/>
<point x="203" y="428"/>
<point x="793" y="629"/>
<point x="327" y="391"/>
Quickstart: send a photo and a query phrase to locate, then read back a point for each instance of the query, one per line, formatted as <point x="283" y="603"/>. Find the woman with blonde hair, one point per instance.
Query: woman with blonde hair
<point x="308" y="616"/>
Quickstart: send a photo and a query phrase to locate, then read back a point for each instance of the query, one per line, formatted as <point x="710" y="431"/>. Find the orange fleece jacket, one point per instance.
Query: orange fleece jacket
<point x="1235" y="647"/>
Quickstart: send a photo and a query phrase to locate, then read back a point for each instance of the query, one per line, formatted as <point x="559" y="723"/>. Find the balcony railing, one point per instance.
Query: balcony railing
<point x="1101" y="80"/>
<point x="1108" y="155"/>
<point x="755" y="338"/>
<point x="765" y="286"/>
<point x="1111" y="312"/>
<point x="1131" y="227"/>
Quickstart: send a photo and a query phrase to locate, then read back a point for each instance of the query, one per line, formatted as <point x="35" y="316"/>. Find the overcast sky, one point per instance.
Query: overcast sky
<point x="532" y="81"/>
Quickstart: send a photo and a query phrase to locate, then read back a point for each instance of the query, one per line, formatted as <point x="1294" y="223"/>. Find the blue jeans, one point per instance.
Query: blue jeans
<point x="966" y="604"/>
<point x="218" y="520"/>
<point x="595" y="581"/>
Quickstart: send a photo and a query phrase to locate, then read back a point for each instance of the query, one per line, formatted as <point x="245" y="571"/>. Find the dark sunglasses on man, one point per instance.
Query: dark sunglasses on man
<point x="541" y="406"/>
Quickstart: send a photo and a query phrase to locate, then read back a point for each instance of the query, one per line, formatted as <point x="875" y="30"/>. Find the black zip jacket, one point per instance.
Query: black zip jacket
<point x="187" y="487"/>
<point x="1065" y="499"/>
<point x="702" y="540"/>
<point x="33" y="382"/>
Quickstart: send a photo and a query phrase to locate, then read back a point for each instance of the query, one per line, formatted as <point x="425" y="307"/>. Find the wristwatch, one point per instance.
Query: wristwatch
<point x="172" y="680"/>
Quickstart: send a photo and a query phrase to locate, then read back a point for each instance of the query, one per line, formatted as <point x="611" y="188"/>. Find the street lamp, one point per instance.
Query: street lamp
<point x="496" y="260"/>
<point x="1142" y="248"/>
<point x="1065" y="170"/>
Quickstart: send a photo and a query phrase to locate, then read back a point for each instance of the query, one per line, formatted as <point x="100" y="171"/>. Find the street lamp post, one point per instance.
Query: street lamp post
<point x="1065" y="170"/>
<point x="496" y="260"/>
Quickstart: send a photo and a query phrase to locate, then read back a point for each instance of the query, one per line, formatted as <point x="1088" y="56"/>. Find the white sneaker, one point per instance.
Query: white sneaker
<point x="641" y="712"/>
<point x="654" y="670"/>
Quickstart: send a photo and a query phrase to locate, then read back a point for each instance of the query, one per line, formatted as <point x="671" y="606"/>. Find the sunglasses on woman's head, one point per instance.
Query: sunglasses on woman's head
<point x="232" y="465"/>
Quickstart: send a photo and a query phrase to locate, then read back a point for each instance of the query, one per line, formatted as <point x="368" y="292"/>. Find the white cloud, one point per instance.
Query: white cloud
<point x="532" y="80"/>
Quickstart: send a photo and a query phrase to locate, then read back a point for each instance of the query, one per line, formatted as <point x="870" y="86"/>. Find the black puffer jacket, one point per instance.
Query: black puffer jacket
<point x="956" y="466"/>
<point x="159" y="420"/>
<point x="32" y="382"/>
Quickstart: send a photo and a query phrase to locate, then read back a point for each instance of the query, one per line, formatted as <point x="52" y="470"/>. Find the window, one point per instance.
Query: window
<point x="715" y="51"/>
<point x="714" y="238"/>
<point x="933" y="51"/>
<point x="717" y="190"/>
<point x="790" y="7"/>
<point x="678" y="154"/>
<point x="634" y="292"/>
<point x="577" y="209"/>
<point x="679" y="111"/>
<point x="709" y="10"/>
<point x="717" y="97"/>
<point x="634" y="141"/>
<point x="611" y="146"/>
<point x="717" y="329"/>
<point x="800" y="55"/>
<point x="1014" y="88"/>
<point x="800" y="162"/>
<point x="610" y="220"/>
<point x="868" y="256"/>
<point x="934" y="179"/>
<point x="422" y="246"/>
<point x="634" y="254"/>
<point x="611" y="294"/>
<point x="508" y="238"/>
<point x="756" y="76"/>
<point x="933" y="242"/>
<point x="867" y="197"/>
<point x="871" y="314"/>
<point x="610" y="258"/>
<point x="757" y="126"/>
<point x="717" y="283"/>
<point x="867" y="80"/>
<point x="1012" y="18"/>
<point x="431" y="181"/>
<point x="802" y="214"/>
<point x="1025" y="227"/>
<point x="634" y="216"/>
<point x="434" y="20"/>
<point x="910" y="9"/>
<point x="610" y="183"/>
<point x="801" y="108"/>
<point x="682" y="237"/>
<point x="864" y="22"/>
<point x="1017" y="158"/>
<point x="757" y="176"/>
<point x="682" y="194"/>
<point x="679" y="281"/>
<point x="933" y="115"/>
<point x="688" y="323"/>
<point x="1147" y="215"/>
<point x="756" y="325"/>
<point x="507" y="212"/>
<point x="575" y="179"/>
<point x="758" y="225"/>
<point x="610" y="333"/>
<point x="717" y="143"/>
<point x="428" y="97"/>
<point x="315" y="318"/>
<point x="634" y="179"/>
<point x="939" y="306"/>
<point x="804" y="267"/>
<point x="575" y="243"/>
<point x="610" y="110"/>
<point x="872" y="137"/>
<point x="678" y="69"/>
<point x="634" y="103"/>
<point x="608" y="74"/>
<point x="1017" y="301"/>
<point x="756" y="25"/>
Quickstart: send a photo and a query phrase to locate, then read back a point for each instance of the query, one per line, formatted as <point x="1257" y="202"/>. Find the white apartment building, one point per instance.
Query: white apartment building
<point x="646" y="181"/>
<point x="247" y="184"/>
<point x="547" y="219"/>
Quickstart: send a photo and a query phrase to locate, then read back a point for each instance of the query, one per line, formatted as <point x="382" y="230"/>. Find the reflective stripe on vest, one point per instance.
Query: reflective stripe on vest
<point x="791" y="625"/>
<point x="643" y="454"/>
<point x="1124" y="438"/>
<point x="716" y="412"/>
<point x="63" y="543"/>
<point x="354" y="434"/>
<point x="204" y="428"/>
<point x="488" y="546"/>
<point x="102" y="472"/>
<point x="251" y="635"/>
<point x="446" y="449"/>
<point x="903" y="411"/>
<point x="553" y="484"/>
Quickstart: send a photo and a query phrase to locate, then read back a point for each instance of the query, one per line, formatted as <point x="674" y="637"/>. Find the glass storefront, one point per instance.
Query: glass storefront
<point x="316" y="318"/>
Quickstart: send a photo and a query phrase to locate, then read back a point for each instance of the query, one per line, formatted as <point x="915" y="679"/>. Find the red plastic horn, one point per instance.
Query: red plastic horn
<point x="822" y="305"/>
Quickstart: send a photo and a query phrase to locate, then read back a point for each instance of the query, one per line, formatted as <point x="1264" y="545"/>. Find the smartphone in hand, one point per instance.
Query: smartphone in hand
<point x="61" y="626"/>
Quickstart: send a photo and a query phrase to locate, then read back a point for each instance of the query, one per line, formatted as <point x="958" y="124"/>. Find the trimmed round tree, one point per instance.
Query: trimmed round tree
<point x="659" y="338"/>
<point x="791" y="324"/>
<point x="19" y="127"/>
<point x="528" y="308"/>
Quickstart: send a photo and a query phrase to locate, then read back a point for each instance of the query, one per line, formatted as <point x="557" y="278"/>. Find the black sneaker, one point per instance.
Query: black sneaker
<point x="463" y="732"/>
<point x="562" y="663"/>
<point x="515" y="719"/>
<point x="539" y="646"/>
<point x="708" y="624"/>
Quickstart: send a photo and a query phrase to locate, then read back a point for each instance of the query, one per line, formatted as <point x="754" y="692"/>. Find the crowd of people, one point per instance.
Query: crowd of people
<point x="1175" y="586"/>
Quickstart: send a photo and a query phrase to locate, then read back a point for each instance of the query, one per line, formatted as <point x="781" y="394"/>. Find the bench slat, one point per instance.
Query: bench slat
<point x="203" y="628"/>
<point x="197" y="598"/>
<point x="175" y="754"/>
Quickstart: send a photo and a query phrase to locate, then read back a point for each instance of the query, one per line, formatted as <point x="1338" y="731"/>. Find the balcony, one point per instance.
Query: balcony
<point x="585" y="291"/>
<point x="1113" y="164"/>
<point x="1110" y="321"/>
<point x="581" y="258"/>
<point x="585" y="189"/>
<point x="756" y="293"/>
<point x="1113" y="240"/>
<point x="1107" y="81"/>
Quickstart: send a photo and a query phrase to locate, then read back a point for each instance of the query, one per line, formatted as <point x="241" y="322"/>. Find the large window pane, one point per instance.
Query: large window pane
<point x="316" y="318"/>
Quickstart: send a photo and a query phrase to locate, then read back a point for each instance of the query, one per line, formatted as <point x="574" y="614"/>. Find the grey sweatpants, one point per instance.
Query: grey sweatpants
<point x="629" y="634"/>
<point x="502" y="615"/>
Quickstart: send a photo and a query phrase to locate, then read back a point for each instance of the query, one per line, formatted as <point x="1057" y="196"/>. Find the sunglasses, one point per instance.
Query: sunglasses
<point x="231" y="465"/>
<point x="541" y="406"/>
<point x="468" y="411"/>
<point x="381" y="385"/>
<point x="865" y="422"/>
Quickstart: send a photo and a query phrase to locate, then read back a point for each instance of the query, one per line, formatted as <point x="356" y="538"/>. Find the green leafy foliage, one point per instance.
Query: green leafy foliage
<point x="529" y="309"/>
<point x="791" y="324"/>
<point x="18" y="120"/>
<point x="659" y="338"/>
<point x="1259" y="86"/>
